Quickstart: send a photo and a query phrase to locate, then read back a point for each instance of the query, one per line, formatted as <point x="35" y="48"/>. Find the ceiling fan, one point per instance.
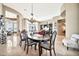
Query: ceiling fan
<point x="32" y="20"/>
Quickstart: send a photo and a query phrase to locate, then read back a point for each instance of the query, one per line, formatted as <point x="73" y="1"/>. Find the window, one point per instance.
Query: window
<point x="32" y="28"/>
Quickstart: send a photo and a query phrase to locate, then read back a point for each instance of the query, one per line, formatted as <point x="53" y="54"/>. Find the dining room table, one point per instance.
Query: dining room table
<point x="39" y="39"/>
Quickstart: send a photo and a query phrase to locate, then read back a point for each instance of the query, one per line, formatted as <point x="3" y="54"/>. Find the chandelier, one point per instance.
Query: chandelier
<point x="32" y="20"/>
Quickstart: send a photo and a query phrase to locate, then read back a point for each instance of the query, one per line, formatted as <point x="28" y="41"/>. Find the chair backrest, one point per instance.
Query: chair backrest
<point x="23" y="35"/>
<point x="53" y="38"/>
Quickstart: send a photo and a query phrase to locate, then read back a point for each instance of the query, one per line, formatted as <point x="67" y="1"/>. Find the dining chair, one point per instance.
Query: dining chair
<point x="50" y="45"/>
<point x="21" y="39"/>
<point x="28" y="42"/>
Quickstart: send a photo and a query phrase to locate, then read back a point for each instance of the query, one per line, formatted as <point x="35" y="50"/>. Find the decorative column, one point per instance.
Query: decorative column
<point x="18" y="23"/>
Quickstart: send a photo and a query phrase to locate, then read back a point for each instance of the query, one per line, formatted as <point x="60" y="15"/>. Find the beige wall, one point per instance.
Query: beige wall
<point x="72" y="19"/>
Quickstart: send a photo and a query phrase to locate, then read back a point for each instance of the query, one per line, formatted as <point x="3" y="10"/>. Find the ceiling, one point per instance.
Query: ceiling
<point x="42" y="11"/>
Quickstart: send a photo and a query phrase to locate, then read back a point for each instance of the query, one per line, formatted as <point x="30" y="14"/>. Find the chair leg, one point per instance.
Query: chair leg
<point x="50" y="53"/>
<point x="46" y="52"/>
<point x="27" y="49"/>
<point x="24" y="47"/>
<point x="35" y="46"/>
<point x="20" y="43"/>
<point x="54" y="51"/>
<point x="41" y="50"/>
<point x="67" y="48"/>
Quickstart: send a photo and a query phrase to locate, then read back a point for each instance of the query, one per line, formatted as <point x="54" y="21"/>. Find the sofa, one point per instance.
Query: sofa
<point x="73" y="42"/>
